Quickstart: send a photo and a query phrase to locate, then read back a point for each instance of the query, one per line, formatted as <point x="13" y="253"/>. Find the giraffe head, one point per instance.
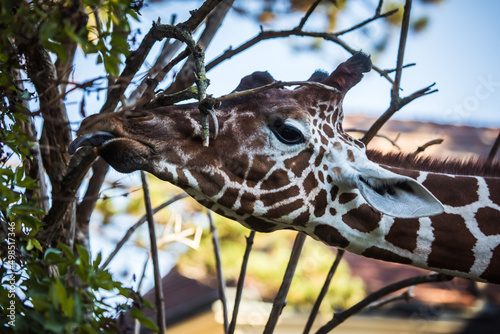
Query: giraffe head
<point x="281" y="159"/>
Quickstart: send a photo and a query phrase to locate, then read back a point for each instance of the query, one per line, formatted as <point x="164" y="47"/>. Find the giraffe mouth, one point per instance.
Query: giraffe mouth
<point x="96" y="139"/>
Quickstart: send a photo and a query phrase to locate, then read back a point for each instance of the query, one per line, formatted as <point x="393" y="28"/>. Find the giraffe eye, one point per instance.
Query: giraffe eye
<point x="287" y="133"/>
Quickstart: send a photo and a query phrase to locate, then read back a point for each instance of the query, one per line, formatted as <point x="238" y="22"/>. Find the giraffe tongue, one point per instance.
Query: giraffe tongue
<point x="91" y="139"/>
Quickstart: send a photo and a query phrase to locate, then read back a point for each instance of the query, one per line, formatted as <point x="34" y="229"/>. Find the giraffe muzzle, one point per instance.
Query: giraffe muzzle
<point x="91" y="139"/>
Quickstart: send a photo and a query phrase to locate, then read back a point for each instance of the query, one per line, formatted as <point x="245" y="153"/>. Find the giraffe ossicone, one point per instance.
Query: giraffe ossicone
<point x="283" y="161"/>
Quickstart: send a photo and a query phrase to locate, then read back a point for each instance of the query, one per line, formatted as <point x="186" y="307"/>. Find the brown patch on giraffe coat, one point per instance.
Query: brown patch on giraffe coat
<point x="492" y="274"/>
<point x="321" y="201"/>
<point x="321" y="177"/>
<point x="229" y="197"/>
<point x="261" y="165"/>
<point x="260" y="225"/>
<point x="299" y="163"/>
<point x="337" y="171"/>
<point x="333" y="212"/>
<point x="319" y="157"/>
<point x="327" y="129"/>
<point x="285" y="209"/>
<point x="337" y="146"/>
<point x="468" y="186"/>
<point x="331" y="236"/>
<point x="333" y="192"/>
<point x="310" y="182"/>
<point x="362" y="218"/>
<point x="182" y="180"/>
<point x="209" y="184"/>
<point x="347" y="197"/>
<point x="494" y="188"/>
<point x="403" y="233"/>
<point x="453" y="243"/>
<point x="236" y="167"/>
<point x="487" y="221"/>
<point x="277" y="179"/>
<point x="350" y="156"/>
<point x="383" y="254"/>
<point x="270" y="198"/>
<point x="301" y="219"/>
<point x="247" y="201"/>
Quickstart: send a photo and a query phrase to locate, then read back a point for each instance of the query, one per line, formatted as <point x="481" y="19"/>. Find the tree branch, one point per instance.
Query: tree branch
<point x="218" y="265"/>
<point x="338" y="318"/>
<point x="494" y="148"/>
<point x="265" y="35"/>
<point x="280" y="300"/>
<point x="160" y="305"/>
<point x="401" y="52"/>
<point x="308" y="14"/>
<point x="241" y="282"/>
<point x="324" y="290"/>
<point x="87" y="205"/>
<point x="361" y="24"/>
<point x="185" y="76"/>
<point x="393" y="108"/>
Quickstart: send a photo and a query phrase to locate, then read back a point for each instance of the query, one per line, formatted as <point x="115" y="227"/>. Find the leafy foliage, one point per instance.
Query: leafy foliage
<point x="46" y="289"/>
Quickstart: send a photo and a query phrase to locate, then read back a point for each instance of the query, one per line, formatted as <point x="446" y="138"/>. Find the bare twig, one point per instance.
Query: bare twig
<point x="338" y="318"/>
<point x="265" y="35"/>
<point x="393" y="108"/>
<point x="160" y="306"/>
<point x="308" y="13"/>
<point x="494" y="149"/>
<point x="405" y="295"/>
<point x="379" y="7"/>
<point x="404" y="66"/>
<point x="185" y="77"/>
<point x="361" y="24"/>
<point x="324" y="290"/>
<point x="86" y="207"/>
<point x="182" y="32"/>
<point x="220" y="275"/>
<point x="276" y="84"/>
<point x="280" y="300"/>
<point x="422" y="148"/>
<point x="393" y="142"/>
<point x="167" y="52"/>
<point x="134" y="227"/>
<point x="401" y="51"/>
<point x="241" y="282"/>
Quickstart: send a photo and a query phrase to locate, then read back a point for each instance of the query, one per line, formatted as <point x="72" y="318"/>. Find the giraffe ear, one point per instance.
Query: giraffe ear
<point x="254" y="80"/>
<point x="398" y="196"/>
<point x="350" y="72"/>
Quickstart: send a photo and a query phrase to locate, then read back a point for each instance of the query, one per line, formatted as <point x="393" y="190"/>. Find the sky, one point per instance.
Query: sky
<point x="458" y="51"/>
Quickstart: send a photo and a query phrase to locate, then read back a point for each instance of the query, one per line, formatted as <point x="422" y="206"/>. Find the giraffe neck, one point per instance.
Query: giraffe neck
<point x="463" y="241"/>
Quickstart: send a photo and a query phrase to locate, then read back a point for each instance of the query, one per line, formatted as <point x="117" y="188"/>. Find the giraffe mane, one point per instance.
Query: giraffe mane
<point x="471" y="166"/>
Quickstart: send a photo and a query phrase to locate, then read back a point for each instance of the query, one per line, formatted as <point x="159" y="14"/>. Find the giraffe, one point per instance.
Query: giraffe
<point x="283" y="161"/>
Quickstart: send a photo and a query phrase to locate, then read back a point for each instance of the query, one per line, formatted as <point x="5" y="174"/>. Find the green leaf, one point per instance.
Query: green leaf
<point x="97" y="261"/>
<point x="69" y="253"/>
<point x="52" y="254"/>
<point x="27" y="209"/>
<point x="48" y="30"/>
<point x="84" y="254"/>
<point x="139" y="315"/>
